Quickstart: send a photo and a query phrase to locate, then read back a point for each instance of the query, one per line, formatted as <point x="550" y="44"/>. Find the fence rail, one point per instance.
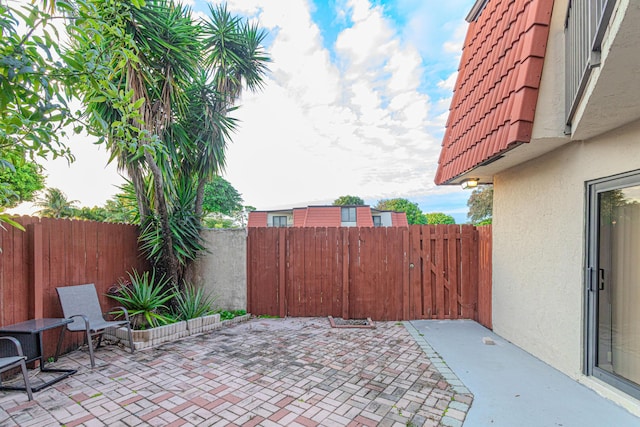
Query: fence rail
<point x="56" y="252"/>
<point x="389" y="273"/>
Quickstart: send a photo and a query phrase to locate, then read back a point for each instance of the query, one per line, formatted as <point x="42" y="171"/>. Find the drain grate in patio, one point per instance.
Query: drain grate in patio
<point x="338" y="322"/>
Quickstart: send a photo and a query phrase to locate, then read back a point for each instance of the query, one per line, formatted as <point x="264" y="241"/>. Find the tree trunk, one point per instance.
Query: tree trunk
<point x="169" y="259"/>
<point x="141" y="192"/>
<point x="199" y="197"/>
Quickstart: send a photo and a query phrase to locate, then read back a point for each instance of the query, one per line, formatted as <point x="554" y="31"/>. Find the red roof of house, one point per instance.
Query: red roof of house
<point x="322" y="216"/>
<point x="496" y="91"/>
<point x="400" y="219"/>
<point x="325" y="216"/>
<point x="257" y="219"/>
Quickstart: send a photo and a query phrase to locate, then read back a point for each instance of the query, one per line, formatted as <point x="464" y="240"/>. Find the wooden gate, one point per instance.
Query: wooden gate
<point x="386" y="273"/>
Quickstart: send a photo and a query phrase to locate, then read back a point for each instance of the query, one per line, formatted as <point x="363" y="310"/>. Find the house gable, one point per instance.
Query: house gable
<point x="257" y="219"/>
<point x="323" y="216"/>
<point x="493" y="106"/>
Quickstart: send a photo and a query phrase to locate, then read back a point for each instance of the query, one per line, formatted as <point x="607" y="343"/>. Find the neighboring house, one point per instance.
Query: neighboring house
<point x="547" y="108"/>
<point x="328" y="216"/>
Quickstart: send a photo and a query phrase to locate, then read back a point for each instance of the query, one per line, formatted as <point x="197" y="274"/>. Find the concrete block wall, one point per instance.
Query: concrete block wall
<point x="222" y="269"/>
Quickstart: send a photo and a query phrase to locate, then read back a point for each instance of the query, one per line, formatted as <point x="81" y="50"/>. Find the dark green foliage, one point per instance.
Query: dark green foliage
<point x="91" y="214"/>
<point x="191" y="302"/>
<point x="480" y="204"/>
<point x="228" y="315"/>
<point x="439" y="218"/>
<point x="414" y="214"/>
<point x="35" y="87"/>
<point x="217" y="221"/>
<point x="221" y="197"/>
<point x="348" y="201"/>
<point x="20" y="179"/>
<point x="54" y="204"/>
<point x="145" y="299"/>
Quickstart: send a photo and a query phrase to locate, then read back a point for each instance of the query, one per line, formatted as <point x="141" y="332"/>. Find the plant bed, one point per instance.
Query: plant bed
<point x="203" y="324"/>
<point x="154" y="336"/>
<point x="339" y="322"/>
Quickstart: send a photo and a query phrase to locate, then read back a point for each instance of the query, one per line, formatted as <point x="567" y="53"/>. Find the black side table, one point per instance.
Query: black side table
<point x="29" y="333"/>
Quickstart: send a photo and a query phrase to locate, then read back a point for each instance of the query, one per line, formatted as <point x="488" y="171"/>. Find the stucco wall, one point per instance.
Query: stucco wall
<point x="549" y="120"/>
<point x="539" y="244"/>
<point x="223" y="270"/>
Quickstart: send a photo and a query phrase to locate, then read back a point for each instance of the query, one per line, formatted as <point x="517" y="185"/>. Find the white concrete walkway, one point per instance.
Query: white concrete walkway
<point x="510" y="386"/>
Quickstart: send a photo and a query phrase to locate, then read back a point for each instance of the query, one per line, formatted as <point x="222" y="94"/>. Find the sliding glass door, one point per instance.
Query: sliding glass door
<point x="613" y="282"/>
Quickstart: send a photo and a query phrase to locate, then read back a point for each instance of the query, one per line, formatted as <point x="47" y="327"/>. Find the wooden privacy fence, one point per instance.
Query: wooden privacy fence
<point x="57" y="252"/>
<point x="385" y="273"/>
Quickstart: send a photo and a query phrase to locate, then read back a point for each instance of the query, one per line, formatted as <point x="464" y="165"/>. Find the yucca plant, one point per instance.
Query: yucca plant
<point x="144" y="297"/>
<point x="166" y="108"/>
<point x="191" y="302"/>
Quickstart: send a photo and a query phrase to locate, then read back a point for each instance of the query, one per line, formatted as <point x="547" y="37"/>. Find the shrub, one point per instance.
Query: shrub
<point x="191" y="302"/>
<point x="144" y="297"/>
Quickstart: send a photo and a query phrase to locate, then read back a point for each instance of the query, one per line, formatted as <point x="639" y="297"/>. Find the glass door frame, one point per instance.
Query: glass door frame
<point x="594" y="189"/>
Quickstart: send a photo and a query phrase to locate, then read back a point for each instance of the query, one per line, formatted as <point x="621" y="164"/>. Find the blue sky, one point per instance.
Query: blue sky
<point x="355" y="103"/>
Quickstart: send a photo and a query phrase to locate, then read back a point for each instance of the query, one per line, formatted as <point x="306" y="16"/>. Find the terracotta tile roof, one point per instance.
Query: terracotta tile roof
<point x="257" y="219"/>
<point x="495" y="96"/>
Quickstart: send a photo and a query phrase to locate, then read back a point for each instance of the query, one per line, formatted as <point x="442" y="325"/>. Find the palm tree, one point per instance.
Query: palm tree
<point x="165" y="109"/>
<point x="54" y="204"/>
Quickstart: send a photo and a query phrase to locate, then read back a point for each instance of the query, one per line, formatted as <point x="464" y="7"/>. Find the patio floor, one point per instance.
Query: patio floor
<point x="510" y="386"/>
<point x="294" y="371"/>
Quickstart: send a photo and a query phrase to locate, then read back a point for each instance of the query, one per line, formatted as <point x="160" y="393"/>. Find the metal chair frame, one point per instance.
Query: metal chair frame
<point x="81" y="304"/>
<point x="11" y="362"/>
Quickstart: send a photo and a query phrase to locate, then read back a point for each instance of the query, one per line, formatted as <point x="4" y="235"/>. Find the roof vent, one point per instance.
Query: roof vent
<point x="476" y="10"/>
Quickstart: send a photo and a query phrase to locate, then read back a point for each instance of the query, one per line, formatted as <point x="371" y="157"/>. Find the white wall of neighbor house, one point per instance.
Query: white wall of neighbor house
<point x="539" y="244"/>
<point x="270" y="216"/>
<point x="222" y="270"/>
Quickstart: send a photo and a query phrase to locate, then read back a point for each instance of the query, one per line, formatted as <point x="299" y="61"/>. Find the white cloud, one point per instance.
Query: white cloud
<point x="455" y="43"/>
<point x="322" y="129"/>
<point x="449" y="83"/>
<point x="353" y="120"/>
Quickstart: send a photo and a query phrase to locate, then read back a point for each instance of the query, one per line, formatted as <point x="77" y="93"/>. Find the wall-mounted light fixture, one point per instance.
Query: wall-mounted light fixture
<point x="470" y="183"/>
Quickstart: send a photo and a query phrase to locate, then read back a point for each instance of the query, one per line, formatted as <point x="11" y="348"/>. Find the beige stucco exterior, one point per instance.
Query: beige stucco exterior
<point x="539" y="244"/>
<point x="539" y="210"/>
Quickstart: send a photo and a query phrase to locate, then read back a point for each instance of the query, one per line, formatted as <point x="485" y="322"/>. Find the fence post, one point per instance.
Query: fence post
<point x="469" y="283"/>
<point x="282" y="262"/>
<point x="406" y="302"/>
<point x="36" y="303"/>
<point x="345" y="273"/>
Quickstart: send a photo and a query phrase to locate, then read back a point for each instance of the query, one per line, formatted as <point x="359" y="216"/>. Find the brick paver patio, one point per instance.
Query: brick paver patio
<point x="268" y="372"/>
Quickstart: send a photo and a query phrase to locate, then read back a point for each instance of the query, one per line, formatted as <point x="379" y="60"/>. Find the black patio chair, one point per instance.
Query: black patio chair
<point x="14" y="359"/>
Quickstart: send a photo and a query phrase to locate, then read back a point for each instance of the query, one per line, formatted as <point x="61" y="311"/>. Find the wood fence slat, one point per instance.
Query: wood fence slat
<point x="427" y="272"/>
<point x="483" y="274"/>
<point x="282" y="261"/>
<point x="250" y="267"/>
<point x="438" y="261"/>
<point x="354" y="266"/>
<point x="346" y="262"/>
<point x="314" y="290"/>
<point x="404" y="270"/>
<point x="468" y="290"/>
<point x="453" y="265"/>
<point x="37" y="246"/>
<point x="91" y="251"/>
